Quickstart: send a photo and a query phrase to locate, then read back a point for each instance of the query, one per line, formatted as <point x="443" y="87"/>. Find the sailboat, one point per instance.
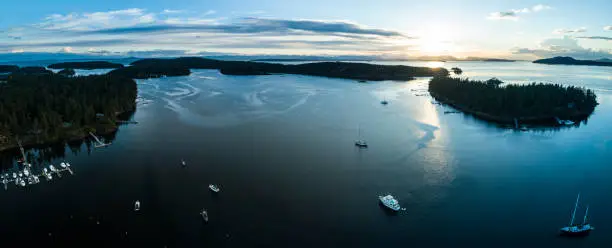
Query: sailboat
<point x="384" y="102"/>
<point x="359" y="142"/>
<point x="577" y="230"/>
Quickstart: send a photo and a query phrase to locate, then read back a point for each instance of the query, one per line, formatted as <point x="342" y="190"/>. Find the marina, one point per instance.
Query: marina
<point x="26" y="177"/>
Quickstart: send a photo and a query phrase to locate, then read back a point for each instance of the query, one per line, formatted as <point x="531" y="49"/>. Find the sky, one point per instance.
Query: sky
<point x="518" y="29"/>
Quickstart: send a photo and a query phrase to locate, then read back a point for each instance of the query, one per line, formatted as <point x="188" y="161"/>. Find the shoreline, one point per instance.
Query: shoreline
<point x="100" y="129"/>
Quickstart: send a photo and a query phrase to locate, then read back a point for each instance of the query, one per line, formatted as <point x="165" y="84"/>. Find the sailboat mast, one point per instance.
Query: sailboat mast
<point x="586" y="213"/>
<point x="574" y="213"/>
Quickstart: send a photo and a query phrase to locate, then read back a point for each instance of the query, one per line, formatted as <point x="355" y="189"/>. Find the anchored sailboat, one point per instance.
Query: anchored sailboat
<point x="577" y="230"/>
<point x="100" y="143"/>
<point x="359" y="142"/>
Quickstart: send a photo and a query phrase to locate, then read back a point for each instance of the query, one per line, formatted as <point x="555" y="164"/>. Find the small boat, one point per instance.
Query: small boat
<point x="389" y="202"/>
<point x="183" y="163"/>
<point x="204" y="215"/>
<point x="22" y="183"/>
<point x="360" y="142"/>
<point x="577" y="230"/>
<point x="26" y="172"/>
<point x="137" y="206"/>
<point x="63" y="165"/>
<point x="384" y="102"/>
<point x="36" y="180"/>
<point x="20" y="174"/>
<point x="67" y="164"/>
<point x="14" y="175"/>
<point x="214" y="188"/>
<point x="52" y="168"/>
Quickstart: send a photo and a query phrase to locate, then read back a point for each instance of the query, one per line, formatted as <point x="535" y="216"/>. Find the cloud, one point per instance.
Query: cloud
<point x="608" y="28"/>
<point x="514" y="13"/>
<point x="595" y="38"/>
<point x="566" y="46"/>
<point x="172" y="11"/>
<point x="66" y="50"/>
<point x="259" y="25"/>
<point x="569" y="31"/>
<point x="96" y="20"/>
<point x="540" y="7"/>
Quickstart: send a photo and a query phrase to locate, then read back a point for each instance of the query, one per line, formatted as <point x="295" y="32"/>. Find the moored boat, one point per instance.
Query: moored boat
<point x="390" y="202"/>
<point x="577" y="230"/>
<point x="137" y="206"/>
<point x="214" y="188"/>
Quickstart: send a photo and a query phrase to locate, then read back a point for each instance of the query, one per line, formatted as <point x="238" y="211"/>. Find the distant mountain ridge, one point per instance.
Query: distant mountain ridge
<point x="572" y="61"/>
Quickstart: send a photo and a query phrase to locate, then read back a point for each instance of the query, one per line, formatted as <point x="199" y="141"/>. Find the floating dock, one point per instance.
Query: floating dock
<point x="100" y="143"/>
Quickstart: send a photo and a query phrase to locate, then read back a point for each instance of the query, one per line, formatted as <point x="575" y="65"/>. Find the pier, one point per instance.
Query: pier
<point x="100" y="143"/>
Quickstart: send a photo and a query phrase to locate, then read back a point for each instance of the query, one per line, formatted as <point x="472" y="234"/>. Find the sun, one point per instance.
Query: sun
<point x="436" y="41"/>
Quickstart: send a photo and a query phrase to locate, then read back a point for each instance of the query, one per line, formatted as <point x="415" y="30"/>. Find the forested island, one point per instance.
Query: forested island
<point x="358" y="71"/>
<point x="535" y="103"/>
<point x="572" y="61"/>
<point x="88" y="65"/>
<point x="45" y="107"/>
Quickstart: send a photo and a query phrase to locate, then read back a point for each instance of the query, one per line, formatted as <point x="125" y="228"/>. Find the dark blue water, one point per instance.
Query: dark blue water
<point x="281" y="149"/>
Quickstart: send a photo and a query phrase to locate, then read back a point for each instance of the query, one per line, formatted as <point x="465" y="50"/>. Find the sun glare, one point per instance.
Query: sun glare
<point x="436" y="41"/>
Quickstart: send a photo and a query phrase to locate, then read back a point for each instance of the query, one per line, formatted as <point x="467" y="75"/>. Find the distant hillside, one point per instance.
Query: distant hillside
<point x="452" y="58"/>
<point x="359" y="71"/>
<point x="570" y="61"/>
<point x="604" y="60"/>
<point x="89" y="65"/>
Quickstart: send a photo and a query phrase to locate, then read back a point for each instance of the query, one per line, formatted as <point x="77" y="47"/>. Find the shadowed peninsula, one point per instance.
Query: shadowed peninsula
<point x="535" y="103"/>
<point x="358" y="71"/>
<point x="89" y="65"/>
<point x="43" y="108"/>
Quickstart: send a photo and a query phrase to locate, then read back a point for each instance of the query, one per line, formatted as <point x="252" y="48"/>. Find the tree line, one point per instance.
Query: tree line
<point x="496" y="100"/>
<point x="51" y="106"/>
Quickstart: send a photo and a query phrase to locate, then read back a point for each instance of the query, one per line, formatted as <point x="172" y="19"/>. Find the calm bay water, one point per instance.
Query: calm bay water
<point x="281" y="149"/>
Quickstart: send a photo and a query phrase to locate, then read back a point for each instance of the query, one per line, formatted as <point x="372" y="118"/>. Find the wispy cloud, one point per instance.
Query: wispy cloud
<point x="595" y="38"/>
<point x="172" y="11"/>
<point x="515" y="13"/>
<point x="258" y="25"/>
<point x="608" y="28"/>
<point x="569" y="31"/>
<point x="97" y="20"/>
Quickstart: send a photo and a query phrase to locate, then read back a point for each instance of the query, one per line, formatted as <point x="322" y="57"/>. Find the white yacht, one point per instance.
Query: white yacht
<point x="14" y="175"/>
<point x="214" y="188"/>
<point x="204" y="215"/>
<point x="26" y="172"/>
<point x="67" y="164"/>
<point x="52" y="168"/>
<point x="20" y="174"/>
<point x="137" y="206"/>
<point x="389" y="202"/>
<point x="22" y="182"/>
<point x="63" y="165"/>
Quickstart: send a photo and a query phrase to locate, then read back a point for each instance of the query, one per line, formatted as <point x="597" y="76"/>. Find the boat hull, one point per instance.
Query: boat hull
<point x="575" y="234"/>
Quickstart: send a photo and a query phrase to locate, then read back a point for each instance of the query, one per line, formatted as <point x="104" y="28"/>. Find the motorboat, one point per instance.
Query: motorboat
<point x="204" y="215"/>
<point x="26" y="172"/>
<point x="22" y="183"/>
<point x="52" y="168"/>
<point x="67" y="164"/>
<point x="63" y="165"/>
<point x="20" y="174"/>
<point x="137" y="206"/>
<point x="36" y="180"/>
<point x="183" y="163"/>
<point x="384" y="102"/>
<point x="214" y="188"/>
<point x="14" y="175"/>
<point x="577" y="230"/>
<point x="390" y="202"/>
